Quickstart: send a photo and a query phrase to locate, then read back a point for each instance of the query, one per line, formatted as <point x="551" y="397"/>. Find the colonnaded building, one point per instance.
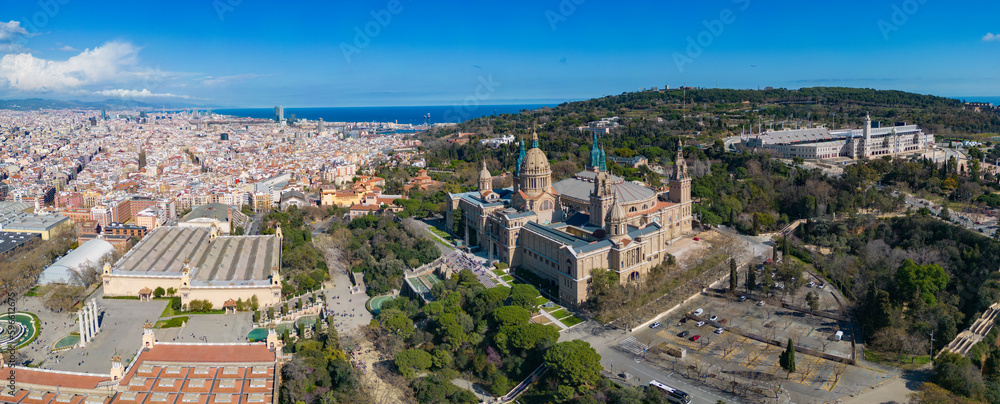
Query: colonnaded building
<point x="200" y="264"/>
<point x="562" y="231"/>
<point x="823" y="143"/>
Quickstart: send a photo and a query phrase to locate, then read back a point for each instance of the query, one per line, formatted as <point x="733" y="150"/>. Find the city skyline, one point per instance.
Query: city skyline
<point x="395" y="53"/>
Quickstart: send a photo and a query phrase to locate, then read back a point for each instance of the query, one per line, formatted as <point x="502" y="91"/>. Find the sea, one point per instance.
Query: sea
<point x="403" y="115"/>
<point x="995" y="100"/>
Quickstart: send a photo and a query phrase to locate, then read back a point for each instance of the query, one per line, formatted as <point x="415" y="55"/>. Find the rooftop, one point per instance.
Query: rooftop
<point x="226" y="259"/>
<point x="217" y="211"/>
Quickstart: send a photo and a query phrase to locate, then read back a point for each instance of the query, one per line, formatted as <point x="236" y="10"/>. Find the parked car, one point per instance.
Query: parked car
<point x="821" y="286"/>
<point x="698" y="312"/>
<point x="810" y="284"/>
<point x="695" y="338"/>
<point x="697" y="239"/>
<point x="719" y="331"/>
<point x="743" y="298"/>
<point x="713" y="318"/>
<point x="700" y="323"/>
<point x="760" y="303"/>
<point x="684" y="334"/>
<point x="654" y="325"/>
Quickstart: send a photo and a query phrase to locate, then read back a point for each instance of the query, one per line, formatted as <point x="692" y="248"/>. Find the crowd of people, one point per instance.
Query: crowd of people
<point x="460" y="261"/>
<point x="357" y="361"/>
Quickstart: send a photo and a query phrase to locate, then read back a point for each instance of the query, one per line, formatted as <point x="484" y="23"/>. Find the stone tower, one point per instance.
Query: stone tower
<point x="601" y="199"/>
<point x="680" y="181"/>
<point x="485" y="180"/>
<point x="617" y="225"/>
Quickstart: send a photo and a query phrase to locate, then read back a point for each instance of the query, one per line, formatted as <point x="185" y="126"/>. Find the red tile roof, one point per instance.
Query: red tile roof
<point x="184" y="353"/>
<point x="64" y="379"/>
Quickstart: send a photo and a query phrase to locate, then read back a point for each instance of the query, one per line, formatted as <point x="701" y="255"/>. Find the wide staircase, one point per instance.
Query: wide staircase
<point x="968" y="338"/>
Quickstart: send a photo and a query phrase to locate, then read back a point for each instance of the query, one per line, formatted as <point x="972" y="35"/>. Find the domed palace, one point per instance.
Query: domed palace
<point x="562" y="231"/>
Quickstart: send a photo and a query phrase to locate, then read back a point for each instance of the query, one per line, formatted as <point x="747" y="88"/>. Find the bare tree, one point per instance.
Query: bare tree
<point x="839" y="371"/>
<point x="810" y="365"/>
<point x="728" y="344"/>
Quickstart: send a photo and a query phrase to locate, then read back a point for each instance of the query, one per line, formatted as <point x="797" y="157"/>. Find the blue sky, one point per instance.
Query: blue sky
<point x="252" y="53"/>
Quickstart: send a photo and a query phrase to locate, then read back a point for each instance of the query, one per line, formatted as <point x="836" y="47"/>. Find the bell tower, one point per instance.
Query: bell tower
<point x="601" y="199"/>
<point x="680" y="181"/>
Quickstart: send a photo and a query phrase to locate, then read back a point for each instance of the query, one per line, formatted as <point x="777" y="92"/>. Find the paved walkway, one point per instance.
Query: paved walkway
<point x="342" y="300"/>
<point x="562" y="327"/>
<point x="476" y="389"/>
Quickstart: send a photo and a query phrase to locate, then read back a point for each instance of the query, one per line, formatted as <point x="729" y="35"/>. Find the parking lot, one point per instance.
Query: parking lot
<point x="732" y="354"/>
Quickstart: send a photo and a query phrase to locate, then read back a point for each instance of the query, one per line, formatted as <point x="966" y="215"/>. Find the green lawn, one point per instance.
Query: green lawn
<point x="507" y="278"/>
<point x="560" y="313"/>
<point x="438" y="232"/>
<point x="498" y="272"/>
<point x="168" y="312"/>
<point x="540" y="300"/>
<point x="172" y="323"/>
<point x="905" y="362"/>
<point x="571" y="321"/>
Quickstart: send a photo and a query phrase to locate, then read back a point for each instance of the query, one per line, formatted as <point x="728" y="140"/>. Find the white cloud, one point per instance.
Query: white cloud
<point x="67" y="48"/>
<point x="991" y="37"/>
<point x="12" y="31"/>
<point x="103" y="64"/>
<point x="144" y="93"/>
<point x="224" y="80"/>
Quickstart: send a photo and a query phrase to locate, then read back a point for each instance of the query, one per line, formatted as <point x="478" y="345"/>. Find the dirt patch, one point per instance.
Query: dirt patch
<point x="365" y="356"/>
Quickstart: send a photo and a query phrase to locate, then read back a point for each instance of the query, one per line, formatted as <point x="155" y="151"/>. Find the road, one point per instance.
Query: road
<point x="642" y="372"/>
<point x="254" y="227"/>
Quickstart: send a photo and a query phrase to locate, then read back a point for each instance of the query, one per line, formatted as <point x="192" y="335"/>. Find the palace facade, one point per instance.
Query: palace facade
<point x="563" y="231"/>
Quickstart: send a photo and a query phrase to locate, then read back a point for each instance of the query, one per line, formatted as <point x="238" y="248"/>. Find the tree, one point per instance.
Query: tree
<point x="751" y="278"/>
<point x="159" y="292"/>
<point x="957" y="374"/>
<point x="733" y="281"/>
<point x="501" y="385"/>
<point x="254" y="303"/>
<point x="511" y="315"/>
<point x="575" y="363"/>
<point x="924" y="281"/>
<point x="399" y="324"/>
<point x="171" y="291"/>
<point x="412" y="360"/>
<point x="524" y="295"/>
<point x="813" y="301"/>
<point x="875" y="310"/>
<point x="787" y="359"/>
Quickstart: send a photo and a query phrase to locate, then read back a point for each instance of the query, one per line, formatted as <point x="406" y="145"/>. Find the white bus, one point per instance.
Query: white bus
<point x="673" y="395"/>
